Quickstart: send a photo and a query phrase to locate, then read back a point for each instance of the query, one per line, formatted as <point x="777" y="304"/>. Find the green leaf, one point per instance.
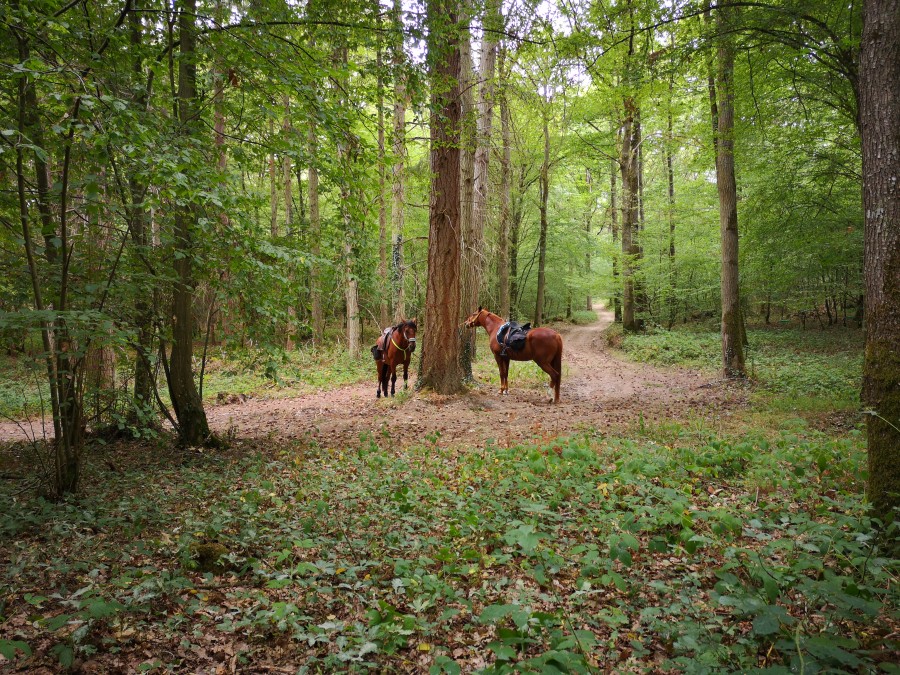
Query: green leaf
<point x="8" y="648"/>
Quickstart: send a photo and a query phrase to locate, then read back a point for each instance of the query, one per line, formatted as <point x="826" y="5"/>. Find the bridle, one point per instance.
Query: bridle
<point x="410" y="341"/>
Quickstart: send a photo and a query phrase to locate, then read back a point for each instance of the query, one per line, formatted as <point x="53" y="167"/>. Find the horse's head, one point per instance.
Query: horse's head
<point x="408" y="330"/>
<point x="476" y="319"/>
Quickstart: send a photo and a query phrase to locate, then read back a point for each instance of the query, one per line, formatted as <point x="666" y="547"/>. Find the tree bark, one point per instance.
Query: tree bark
<point x="286" y="168"/>
<point x="542" y="239"/>
<point x="398" y="173"/>
<point x="614" y="217"/>
<point x="382" y="286"/>
<point x="503" y="261"/>
<point x="315" y="235"/>
<point x="273" y="185"/>
<point x="440" y="369"/>
<point x="879" y="119"/>
<point x="628" y="164"/>
<point x="589" y="211"/>
<point x="670" y="176"/>
<point x="470" y="244"/>
<point x="732" y="343"/>
<point x="193" y="428"/>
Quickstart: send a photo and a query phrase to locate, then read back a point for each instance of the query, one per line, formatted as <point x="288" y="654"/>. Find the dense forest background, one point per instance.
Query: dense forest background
<point x="204" y="198"/>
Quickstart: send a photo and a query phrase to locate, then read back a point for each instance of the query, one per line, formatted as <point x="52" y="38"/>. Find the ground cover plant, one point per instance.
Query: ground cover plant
<point x="575" y="555"/>
<point x="794" y="370"/>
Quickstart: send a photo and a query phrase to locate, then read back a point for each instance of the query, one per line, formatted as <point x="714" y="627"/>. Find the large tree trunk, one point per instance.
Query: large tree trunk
<point x="440" y="369"/>
<point x="503" y="261"/>
<point x="398" y="176"/>
<point x="542" y="239"/>
<point x="732" y="343"/>
<point x="470" y="243"/>
<point x="192" y="425"/>
<point x="879" y="121"/>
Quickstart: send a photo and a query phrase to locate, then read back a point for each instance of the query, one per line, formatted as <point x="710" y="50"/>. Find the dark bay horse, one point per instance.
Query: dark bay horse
<point x="394" y="347"/>
<point x="544" y="346"/>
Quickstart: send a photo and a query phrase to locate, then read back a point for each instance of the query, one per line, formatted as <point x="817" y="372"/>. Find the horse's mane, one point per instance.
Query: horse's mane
<point x="406" y="323"/>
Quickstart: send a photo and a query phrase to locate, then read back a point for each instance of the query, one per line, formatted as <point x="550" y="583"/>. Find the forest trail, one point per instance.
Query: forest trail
<point x="600" y="390"/>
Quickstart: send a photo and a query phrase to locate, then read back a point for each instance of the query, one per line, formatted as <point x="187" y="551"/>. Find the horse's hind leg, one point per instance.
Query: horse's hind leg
<point x="383" y="379"/>
<point x="555" y="376"/>
<point x="557" y="366"/>
<point x="378" y="373"/>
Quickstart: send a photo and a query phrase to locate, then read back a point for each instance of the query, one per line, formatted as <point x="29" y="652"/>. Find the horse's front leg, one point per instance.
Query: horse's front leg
<point x="504" y="376"/>
<point x="393" y="379"/>
<point x="405" y="373"/>
<point x="500" y="363"/>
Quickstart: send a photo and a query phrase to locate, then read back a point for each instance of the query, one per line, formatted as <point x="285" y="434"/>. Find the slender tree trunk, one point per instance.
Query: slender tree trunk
<point x="515" y="228"/>
<point x="383" y="286"/>
<point x="398" y="174"/>
<point x="589" y="181"/>
<point x="503" y="261"/>
<point x="628" y="164"/>
<point x="470" y="244"/>
<point x="670" y="176"/>
<point x="346" y="152"/>
<point x="440" y="369"/>
<point x="146" y="302"/>
<point x="614" y="217"/>
<point x="315" y="236"/>
<point x="487" y="63"/>
<point x="193" y="429"/>
<point x="879" y="121"/>
<point x="732" y="342"/>
<point x="273" y="185"/>
<point x="542" y="239"/>
<point x="286" y="168"/>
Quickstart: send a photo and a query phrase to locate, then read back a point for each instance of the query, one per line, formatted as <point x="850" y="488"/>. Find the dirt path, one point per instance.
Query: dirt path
<point x="599" y="391"/>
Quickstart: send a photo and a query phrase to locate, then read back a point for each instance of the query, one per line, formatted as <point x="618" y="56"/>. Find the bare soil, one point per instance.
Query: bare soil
<point x="600" y="390"/>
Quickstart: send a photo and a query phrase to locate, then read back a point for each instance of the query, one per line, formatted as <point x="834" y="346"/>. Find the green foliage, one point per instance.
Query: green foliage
<point x="699" y="550"/>
<point x="815" y="370"/>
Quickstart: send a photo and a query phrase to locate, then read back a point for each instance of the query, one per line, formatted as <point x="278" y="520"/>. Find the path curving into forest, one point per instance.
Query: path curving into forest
<point x="600" y="390"/>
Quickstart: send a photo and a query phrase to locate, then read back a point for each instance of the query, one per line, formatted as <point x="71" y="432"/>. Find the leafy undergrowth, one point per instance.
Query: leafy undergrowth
<point x="797" y="370"/>
<point x="282" y="373"/>
<point x="587" y="554"/>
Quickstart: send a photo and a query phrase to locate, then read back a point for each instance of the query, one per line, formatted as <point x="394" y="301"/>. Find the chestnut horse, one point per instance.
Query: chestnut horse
<point x="544" y="346"/>
<point x="394" y="347"/>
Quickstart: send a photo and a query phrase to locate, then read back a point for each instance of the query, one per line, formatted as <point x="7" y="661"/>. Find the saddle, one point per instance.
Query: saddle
<point x="380" y="345"/>
<point x="512" y="336"/>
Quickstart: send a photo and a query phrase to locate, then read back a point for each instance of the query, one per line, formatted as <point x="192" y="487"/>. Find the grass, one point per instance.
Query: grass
<point x="796" y="371"/>
<point x="701" y="555"/>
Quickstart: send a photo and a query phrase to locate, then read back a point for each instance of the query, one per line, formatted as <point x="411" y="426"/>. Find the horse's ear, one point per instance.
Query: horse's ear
<point x="479" y="308"/>
<point x="413" y="320"/>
